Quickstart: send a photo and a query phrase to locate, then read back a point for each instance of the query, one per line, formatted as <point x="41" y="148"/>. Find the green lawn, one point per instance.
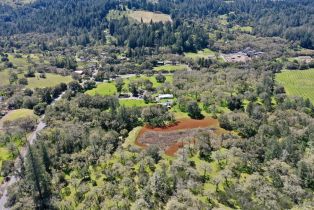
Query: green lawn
<point x="107" y="89"/>
<point x="103" y="89"/>
<point x="200" y="54"/>
<point x="51" y="80"/>
<point x="298" y="83"/>
<point x="171" y="68"/>
<point x="133" y="103"/>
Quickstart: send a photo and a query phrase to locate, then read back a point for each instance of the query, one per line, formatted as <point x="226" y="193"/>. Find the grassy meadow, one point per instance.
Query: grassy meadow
<point x="17" y="114"/>
<point x="171" y="68"/>
<point x="109" y="89"/>
<point x="51" y="80"/>
<point x="133" y="103"/>
<point x="298" y="83"/>
<point x="103" y="89"/>
<point x="147" y="16"/>
<point x="200" y="54"/>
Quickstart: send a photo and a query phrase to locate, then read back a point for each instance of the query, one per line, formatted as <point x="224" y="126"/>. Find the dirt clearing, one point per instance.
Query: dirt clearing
<point x="172" y="138"/>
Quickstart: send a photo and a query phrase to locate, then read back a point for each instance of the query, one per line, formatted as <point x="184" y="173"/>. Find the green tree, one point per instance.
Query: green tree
<point x="119" y="83"/>
<point x="194" y="110"/>
<point x="38" y="178"/>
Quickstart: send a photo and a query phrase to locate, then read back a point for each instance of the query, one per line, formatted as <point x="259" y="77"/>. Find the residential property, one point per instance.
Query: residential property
<point x="164" y="96"/>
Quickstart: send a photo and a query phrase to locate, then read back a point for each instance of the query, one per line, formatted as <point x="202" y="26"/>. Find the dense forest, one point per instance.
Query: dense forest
<point x="287" y="19"/>
<point x="179" y="108"/>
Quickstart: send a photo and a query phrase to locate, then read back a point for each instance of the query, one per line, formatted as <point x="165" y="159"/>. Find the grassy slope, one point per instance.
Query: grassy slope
<point x="106" y="89"/>
<point x="169" y="78"/>
<point x="51" y="80"/>
<point x="4" y="77"/>
<point x="200" y="54"/>
<point x="171" y="68"/>
<point x="133" y="103"/>
<point x="147" y="16"/>
<point x="298" y="83"/>
<point x="103" y="89"/>
<point x="17" y="114"/>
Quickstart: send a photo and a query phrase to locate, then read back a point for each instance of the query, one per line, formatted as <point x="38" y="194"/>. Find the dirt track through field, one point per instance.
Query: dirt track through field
<point x="172" y="138"/>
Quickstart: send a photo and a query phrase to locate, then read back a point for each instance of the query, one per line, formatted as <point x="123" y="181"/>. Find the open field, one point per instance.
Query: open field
<point x="106" y="89"/>
<point x="236" y="57"/>
<point x="147" y="16"/>
<point x="23" y="61"/>
<point x="298" y="83"/>
<point x="133" y="102"/>
<point x="4" y="77"/>
<point x="5" y="74"/>
<point x="206" y="53"/>
<point x="103" y="89"/>
<point x="172" y="138"/>
<point x="51" y="80"/>
<point x="110" y="89"/>
<point x="169" y="78"/>
<point x="17" y="114"/>
<point x="171" y="68"/>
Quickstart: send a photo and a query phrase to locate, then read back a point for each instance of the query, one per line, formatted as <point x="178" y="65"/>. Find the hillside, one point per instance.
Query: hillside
<point x="145" y="104"/>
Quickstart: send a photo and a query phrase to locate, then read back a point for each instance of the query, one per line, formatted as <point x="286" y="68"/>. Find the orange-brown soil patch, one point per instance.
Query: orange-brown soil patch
<point x="174" y="137"/>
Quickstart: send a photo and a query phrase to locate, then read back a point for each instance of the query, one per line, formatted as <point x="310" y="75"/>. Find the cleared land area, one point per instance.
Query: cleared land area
<point x="51" y="80"/>
<point x="133" y="102"/>
<point x="206" y="53"/>
<point x="4" y="77"/>
<point x="17" y="114"/>
<point x="103" y="89"/>
<point x="172" y="138"/>
<point x="169" y="78"/>
<point x="236" y="57"/>
<point x="171" y="68"/>
<point x="298" y="83"/>
<point x="109" y="89"/>
<point x="147" y="16"/>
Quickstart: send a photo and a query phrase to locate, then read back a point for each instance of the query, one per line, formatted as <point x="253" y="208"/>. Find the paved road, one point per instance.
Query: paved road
<point x="32" y="139"/>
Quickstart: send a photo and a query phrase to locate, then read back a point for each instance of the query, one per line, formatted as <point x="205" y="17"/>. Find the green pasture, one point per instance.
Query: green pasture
<point x="200" y="54"/>
<point x="51" y="80"/>
<point x="171" y="68"/>
<point x="103" y="89"/>
<point x="133" y="103"/>
<point x="298" y="83"/>
<point x="107" y="89"/>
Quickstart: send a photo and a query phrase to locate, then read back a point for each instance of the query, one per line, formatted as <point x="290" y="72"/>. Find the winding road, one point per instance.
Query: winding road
<point x="31" y="140"/>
